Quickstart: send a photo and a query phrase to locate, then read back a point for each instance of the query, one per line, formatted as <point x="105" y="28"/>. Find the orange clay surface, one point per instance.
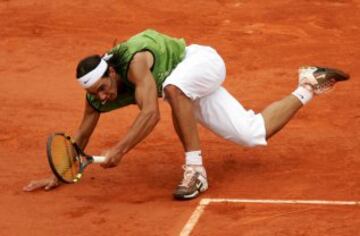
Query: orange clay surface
<point x="263" y="43"/>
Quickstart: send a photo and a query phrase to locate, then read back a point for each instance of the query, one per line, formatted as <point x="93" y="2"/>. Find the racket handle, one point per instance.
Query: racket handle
<point x="99" y="159"/>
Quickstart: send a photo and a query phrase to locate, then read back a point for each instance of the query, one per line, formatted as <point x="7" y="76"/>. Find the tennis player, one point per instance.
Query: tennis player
<point x="189" y="77"/>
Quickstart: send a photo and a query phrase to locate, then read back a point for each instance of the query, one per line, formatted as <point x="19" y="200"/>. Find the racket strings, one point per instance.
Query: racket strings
<point x="64" y="158"/>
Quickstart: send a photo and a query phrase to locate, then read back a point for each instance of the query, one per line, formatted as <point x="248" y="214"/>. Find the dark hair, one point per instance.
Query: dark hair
<point x="88" y="64"/>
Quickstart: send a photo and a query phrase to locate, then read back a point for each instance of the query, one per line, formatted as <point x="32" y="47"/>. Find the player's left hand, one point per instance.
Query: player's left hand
<point x="46" y="184"/>
<point x="113" y="158"/>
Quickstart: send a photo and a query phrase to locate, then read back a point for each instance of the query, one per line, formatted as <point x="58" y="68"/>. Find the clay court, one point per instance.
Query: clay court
<point x="316" y="156"/>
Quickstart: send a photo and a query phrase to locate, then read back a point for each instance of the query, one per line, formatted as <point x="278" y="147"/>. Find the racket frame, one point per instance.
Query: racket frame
<point x="84" y="162"/>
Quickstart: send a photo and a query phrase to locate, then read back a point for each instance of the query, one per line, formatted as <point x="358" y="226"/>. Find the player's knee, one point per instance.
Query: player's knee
<point x="251" y="137"/>
<point x="250" y="142"/>
<point x="172" y="92"/>
<point x="255" y="139"/>
<point x="245" y="139"/>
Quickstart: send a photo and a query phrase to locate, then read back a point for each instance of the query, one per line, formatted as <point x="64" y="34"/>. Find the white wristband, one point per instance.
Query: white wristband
<point x="303" y="95"/>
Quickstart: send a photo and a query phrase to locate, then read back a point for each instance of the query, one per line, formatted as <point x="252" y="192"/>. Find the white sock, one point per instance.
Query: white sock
<point x="193" y="158"/>
<point x="303" y="94"/>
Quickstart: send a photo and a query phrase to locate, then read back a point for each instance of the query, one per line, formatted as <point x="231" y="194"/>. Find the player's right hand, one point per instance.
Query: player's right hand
<point x="46" y="184"/>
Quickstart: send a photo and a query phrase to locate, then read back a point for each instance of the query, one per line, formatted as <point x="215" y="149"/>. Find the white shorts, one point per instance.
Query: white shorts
<point x="199" y="76"/>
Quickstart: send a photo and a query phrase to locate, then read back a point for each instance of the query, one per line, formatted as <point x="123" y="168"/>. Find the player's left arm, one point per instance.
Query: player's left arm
<point x="146" y="97"/>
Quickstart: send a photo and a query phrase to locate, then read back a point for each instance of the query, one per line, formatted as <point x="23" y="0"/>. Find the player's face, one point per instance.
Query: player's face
<point x="105" y="89"/>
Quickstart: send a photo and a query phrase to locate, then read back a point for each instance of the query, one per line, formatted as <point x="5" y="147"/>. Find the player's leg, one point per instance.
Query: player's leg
<point x="225" y="116"/>
<point x="195" y="178"/>
<point x="277" y="114"/>
<point x="201" y="72"/>
<point x="177" y="129"/>
<point x="312" y="80"/>
<point x="183" y="118"/>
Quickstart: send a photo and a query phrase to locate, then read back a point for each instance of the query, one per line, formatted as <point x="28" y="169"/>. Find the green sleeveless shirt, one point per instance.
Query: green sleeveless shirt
<point x="167" y="53"/>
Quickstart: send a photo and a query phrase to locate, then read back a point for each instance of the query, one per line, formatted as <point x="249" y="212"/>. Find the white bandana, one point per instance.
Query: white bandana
<point x="93" y="76"/>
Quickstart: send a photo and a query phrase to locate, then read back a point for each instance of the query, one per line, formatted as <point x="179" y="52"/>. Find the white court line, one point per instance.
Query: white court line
<point x="195" y="217"/>
<point x="189" y="226"/>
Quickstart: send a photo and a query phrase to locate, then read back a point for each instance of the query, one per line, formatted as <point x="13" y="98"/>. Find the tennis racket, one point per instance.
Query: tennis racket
<point x="67" y="160"/>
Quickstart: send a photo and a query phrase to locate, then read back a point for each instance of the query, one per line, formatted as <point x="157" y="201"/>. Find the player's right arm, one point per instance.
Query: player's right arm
<point x="81" y="137"/>
<point x="87" y="126"/>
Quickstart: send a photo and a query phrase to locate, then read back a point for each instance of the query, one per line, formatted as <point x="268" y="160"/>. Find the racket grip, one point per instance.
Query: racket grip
<point x="99" y="159"/>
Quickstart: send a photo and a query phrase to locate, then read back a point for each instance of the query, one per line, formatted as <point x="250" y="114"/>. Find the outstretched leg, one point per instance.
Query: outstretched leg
<point x="312" y="80"/>
<point x="225" y="116"/>
<point x="277" y="114"/>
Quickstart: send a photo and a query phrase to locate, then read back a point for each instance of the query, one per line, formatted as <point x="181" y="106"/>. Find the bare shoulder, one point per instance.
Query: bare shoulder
<point x="140" y="66"/>
<point x="140" y="59"/>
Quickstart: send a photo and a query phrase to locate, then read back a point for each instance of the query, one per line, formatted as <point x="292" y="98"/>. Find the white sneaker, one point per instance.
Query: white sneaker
<point x="320" y="79"/>
<point x="193" y="183"/>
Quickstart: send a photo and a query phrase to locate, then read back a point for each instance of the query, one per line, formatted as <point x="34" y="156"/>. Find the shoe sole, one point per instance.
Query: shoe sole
<point x="188" y="196"/>
<point x="337" y="74"/>
<point x="192" y="195"/>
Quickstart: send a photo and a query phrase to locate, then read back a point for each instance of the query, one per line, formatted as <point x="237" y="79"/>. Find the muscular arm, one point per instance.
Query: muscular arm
<point x="87" y="126"/>
<point x="146" y="97"/>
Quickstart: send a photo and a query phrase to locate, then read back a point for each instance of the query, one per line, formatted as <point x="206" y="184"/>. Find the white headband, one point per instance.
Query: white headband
<point x="93" y="76"/>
